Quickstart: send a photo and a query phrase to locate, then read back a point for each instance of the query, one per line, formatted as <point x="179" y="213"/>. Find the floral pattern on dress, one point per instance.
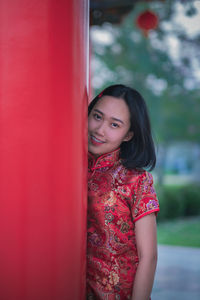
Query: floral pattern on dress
<point x="117" y="198"/>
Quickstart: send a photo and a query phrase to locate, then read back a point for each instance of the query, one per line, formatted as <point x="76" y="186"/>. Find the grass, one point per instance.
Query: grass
<point x="182" y="232"/>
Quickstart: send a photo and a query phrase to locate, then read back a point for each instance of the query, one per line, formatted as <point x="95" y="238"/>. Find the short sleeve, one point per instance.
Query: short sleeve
<point x="144" y="197"/>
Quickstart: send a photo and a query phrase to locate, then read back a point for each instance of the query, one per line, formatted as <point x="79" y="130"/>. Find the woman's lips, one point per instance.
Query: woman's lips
<point x="96" y="141"/>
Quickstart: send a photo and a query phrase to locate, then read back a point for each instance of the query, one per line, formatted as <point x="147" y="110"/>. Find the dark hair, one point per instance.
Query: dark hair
<point x="139" y="152"/>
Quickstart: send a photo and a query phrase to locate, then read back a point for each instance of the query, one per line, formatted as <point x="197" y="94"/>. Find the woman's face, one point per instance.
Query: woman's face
<point x="108" y="125"/>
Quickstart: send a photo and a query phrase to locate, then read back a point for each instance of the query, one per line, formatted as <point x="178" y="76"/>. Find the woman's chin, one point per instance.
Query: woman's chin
<point x="94" y="151"/>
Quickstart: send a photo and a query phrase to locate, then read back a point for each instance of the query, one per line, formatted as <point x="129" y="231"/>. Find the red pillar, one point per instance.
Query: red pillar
<point x="43" y="110"/>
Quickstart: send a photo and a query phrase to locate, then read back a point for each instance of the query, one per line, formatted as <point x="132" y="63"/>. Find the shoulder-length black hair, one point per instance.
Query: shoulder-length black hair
<point x="139" y="152"/>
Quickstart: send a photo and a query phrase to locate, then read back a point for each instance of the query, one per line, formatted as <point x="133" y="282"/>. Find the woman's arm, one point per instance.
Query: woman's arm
<point x="146" y="240"/>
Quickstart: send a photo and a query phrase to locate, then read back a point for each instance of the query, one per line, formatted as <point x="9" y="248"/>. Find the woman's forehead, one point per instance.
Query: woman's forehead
<point x="113" y="107"/>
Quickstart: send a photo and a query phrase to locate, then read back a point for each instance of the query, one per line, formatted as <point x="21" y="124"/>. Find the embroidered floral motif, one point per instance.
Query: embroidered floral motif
<point x="111" y="199"/>
<point x="152" y="204"/>
<point x="124" y="226"/>
<point x="93" y="187"/>
<point x="94" y="239"/>
<point x="108" y="218"/>
<point x="113" y="278"/>
<point x="124" y="190"/>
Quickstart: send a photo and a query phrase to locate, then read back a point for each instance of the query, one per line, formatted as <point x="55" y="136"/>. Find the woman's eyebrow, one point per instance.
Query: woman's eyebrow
<point x="115" y="119"/>
<point x="118" y="120"/>
<point x="100" y="112"/>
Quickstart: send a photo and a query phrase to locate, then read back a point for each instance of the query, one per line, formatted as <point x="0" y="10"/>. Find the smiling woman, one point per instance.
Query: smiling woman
<point x="108" y="124"/>
<point x="122" y="203"/>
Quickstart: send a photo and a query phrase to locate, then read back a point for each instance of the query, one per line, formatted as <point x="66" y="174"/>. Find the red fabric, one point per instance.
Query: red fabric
<point x="117" y="198"/>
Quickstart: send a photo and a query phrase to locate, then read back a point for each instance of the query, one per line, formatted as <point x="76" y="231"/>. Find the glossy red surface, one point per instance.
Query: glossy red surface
<point x="43" y="111"/>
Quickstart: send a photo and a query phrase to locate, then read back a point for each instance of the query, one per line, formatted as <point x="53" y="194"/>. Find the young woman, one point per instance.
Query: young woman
<point x="122" y="203"/>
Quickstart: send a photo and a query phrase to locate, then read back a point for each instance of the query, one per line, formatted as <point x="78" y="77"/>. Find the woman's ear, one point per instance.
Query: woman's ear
<point x="129" y="136"/>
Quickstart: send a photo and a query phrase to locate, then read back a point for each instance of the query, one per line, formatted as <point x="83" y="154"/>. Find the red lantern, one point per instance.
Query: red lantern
<point x="146" y="21"/>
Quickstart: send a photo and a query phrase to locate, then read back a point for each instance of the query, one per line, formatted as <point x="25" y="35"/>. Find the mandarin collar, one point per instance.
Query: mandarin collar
<point x="105" y="160"/>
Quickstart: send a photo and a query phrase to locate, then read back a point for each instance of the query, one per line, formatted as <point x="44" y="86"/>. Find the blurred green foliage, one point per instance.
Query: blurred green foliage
<point x="181" y="232"/>
<point x="177" y="201"/>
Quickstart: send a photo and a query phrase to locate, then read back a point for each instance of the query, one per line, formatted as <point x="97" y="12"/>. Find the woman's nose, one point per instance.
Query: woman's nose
<point x="101" y="129"/>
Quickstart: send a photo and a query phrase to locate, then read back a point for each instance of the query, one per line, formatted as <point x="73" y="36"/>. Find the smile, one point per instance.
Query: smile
<point x="96" y="141"/>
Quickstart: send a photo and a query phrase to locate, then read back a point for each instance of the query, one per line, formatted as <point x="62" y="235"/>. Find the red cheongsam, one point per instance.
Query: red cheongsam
<point x="117" y="198"/>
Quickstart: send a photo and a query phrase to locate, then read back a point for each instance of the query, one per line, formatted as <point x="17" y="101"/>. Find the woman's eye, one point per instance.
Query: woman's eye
<point x="97" y="117"/>
<point x="115" y="125"/>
